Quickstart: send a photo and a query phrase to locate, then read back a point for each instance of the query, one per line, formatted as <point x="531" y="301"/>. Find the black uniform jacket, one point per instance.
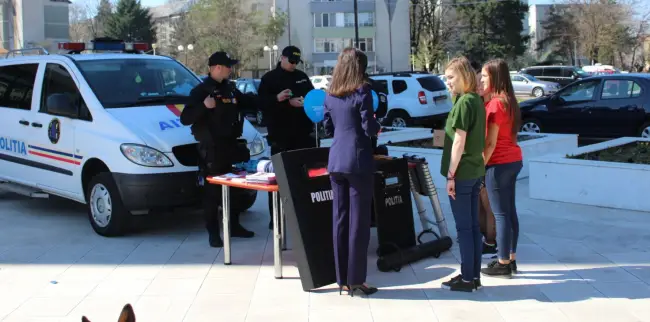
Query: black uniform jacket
<point x="217" y="129"/>
<point x="284" y="122"/>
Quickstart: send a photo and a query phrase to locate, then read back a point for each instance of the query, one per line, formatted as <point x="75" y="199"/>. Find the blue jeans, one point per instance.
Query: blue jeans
<point x="465" y="210"/>
<point x="500" y="181"/>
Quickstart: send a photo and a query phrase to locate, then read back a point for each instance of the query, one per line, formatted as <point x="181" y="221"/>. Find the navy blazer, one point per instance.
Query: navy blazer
<point x="350" y="119"/>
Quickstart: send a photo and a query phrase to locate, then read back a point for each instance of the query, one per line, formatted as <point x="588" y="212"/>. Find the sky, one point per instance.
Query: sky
<point x="150" y="3"/>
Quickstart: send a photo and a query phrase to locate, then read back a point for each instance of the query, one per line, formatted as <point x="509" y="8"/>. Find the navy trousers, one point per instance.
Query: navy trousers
<point x="465" y="210"/>
<point x="500" y="181"/>
<point x="351" y="226"/>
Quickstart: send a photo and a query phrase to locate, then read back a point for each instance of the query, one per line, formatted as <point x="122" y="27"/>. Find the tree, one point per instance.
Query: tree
<point x="131" y="22"/>
<point x="104" y="13"/>
<point x="274" y="28"/>
<point x="432" y="29"/>
<point x="492" y="28"/>
<point x="561" y="35"/>
<point x="212" y="25"/>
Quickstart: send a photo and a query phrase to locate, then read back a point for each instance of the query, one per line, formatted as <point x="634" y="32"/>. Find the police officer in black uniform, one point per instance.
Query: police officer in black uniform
<point x="281" y="93"/>
<point x="213" y="112"/>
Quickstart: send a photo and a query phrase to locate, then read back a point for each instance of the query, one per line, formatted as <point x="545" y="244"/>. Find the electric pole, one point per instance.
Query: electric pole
<point x="356" y="25"/>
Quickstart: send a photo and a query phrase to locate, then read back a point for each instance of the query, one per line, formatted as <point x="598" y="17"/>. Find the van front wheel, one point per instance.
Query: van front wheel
<point x="106" y="212"/>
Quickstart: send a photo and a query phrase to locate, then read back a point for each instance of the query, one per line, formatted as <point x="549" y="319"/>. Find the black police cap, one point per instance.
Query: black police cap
<point x="222" y="58"/>
<point x="292" y="53"/>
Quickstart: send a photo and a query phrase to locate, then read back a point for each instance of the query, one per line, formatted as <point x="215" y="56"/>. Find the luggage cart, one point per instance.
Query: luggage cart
<point x="422" y="185"/>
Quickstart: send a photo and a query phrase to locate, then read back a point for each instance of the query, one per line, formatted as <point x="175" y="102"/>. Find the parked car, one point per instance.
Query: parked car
<point x="529" y="85"/>
<point x="563" y="75"/>
<point x="103" y="130"/>
<point x="414" y="98"/>
<point x="321" y="82"/>
<point x="597" y="107"/>
<point x="250" y="86"/>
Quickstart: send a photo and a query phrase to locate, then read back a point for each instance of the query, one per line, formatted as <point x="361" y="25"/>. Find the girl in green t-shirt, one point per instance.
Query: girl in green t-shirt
<point x="462" y="164"/>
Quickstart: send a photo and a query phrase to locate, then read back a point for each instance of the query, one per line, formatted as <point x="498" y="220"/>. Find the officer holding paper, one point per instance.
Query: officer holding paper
<point x="282" y="93"/>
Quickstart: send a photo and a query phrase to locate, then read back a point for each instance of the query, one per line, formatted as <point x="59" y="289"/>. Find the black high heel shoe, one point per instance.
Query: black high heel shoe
<point x="367" y="290"/>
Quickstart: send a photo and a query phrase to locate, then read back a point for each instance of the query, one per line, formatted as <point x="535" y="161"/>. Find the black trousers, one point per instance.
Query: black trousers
<point x="216" y="159"/>
<point x="299" y="142"/>
<point x="212" y="200"/>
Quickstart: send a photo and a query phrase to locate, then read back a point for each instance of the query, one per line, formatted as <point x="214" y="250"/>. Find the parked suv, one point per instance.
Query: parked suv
<point x="563" y="75"/>
<point x="414" y="98"/>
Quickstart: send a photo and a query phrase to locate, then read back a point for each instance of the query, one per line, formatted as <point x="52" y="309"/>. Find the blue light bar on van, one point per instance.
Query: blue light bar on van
<point x="104" y="46"/>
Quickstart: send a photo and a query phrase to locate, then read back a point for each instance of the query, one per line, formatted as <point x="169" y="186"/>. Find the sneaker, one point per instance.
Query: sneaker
<point x="513" y="266"/>
<point x="489" y="251"/>
<point x="496" y="269"/>
<point x="458" y="285"/>
<point x="241" y="232"/>
<point x="477" y="284"/>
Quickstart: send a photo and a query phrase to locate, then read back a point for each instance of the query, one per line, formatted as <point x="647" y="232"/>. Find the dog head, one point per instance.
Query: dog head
<point x="127" y="315"/>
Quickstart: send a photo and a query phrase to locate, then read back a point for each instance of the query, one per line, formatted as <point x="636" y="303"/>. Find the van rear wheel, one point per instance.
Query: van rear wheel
<point x="106" y="212"/>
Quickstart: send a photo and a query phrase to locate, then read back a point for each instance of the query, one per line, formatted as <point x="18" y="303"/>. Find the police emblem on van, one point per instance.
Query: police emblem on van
<point x="54" y="131"/>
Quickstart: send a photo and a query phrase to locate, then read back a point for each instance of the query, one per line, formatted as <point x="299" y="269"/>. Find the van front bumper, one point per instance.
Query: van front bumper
<point x="159" y="190"/>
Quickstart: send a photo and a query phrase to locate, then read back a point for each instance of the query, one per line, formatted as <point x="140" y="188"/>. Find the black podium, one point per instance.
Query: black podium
<point x="307" y="202"/>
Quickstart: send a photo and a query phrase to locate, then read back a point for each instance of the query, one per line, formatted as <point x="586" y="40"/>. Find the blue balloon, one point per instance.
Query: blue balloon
<point x="314" y="105"/>
<point x="375" y="101"/>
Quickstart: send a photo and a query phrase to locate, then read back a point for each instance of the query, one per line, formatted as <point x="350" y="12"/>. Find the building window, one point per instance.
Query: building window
<point x="343" y="19"/>
<point x="336" y="45"/>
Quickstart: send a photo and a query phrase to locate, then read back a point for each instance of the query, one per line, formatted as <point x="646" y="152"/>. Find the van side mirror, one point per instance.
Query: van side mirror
<point x="61" y="104"/>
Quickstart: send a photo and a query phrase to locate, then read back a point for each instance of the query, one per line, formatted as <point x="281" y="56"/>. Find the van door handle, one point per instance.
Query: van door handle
<point x="23" y="122"/>
<point x="37" y="124"/>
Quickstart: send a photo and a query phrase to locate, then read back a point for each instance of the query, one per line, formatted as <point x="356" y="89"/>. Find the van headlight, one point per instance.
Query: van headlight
<point x="256" y="146"/>
<point x="145" y="156"/>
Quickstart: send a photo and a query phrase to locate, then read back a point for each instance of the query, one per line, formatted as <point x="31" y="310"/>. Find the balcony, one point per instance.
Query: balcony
<point x="341" y="6"/>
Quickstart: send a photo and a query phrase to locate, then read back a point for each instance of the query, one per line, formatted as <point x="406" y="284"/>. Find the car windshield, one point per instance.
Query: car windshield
<point x="530" y="77"/>
<point x="257" y="84"/>
<point x="137" y="82"/>
<point x="432" y="83"/>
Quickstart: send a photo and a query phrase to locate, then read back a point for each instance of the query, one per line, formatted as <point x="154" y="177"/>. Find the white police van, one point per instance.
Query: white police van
<point x="102" y="129"/>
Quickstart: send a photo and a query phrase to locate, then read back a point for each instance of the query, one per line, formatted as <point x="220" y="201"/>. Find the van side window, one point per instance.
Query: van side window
<point x="57" y="80"/>
<point x="16" y="86"/>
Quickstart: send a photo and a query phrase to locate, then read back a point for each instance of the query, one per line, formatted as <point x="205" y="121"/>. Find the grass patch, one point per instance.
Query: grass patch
<point x="634" y="152"/>
<point x="428" y="143"/>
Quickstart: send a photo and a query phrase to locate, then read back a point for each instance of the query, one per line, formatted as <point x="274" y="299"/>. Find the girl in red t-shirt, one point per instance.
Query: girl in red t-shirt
<point x="503" y="159"/>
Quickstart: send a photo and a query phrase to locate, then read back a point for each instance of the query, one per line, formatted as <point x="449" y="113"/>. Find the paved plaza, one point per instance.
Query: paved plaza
<point x="577" y="263"/>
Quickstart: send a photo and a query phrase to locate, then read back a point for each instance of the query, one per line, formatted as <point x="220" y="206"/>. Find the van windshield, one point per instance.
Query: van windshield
<point x="138" y="82"/>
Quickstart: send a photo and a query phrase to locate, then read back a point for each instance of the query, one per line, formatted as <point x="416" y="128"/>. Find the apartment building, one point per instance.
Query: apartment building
<point x="322" y="28"/>
<point x="26" y="24"/>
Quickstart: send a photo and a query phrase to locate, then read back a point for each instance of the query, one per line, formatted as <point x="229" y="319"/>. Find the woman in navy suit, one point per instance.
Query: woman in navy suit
<point x="349" y="118"/>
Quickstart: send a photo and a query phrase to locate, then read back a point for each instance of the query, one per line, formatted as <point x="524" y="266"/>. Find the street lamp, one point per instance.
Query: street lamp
<point x="181" y="48"/>
<point x="271" y="50"/>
